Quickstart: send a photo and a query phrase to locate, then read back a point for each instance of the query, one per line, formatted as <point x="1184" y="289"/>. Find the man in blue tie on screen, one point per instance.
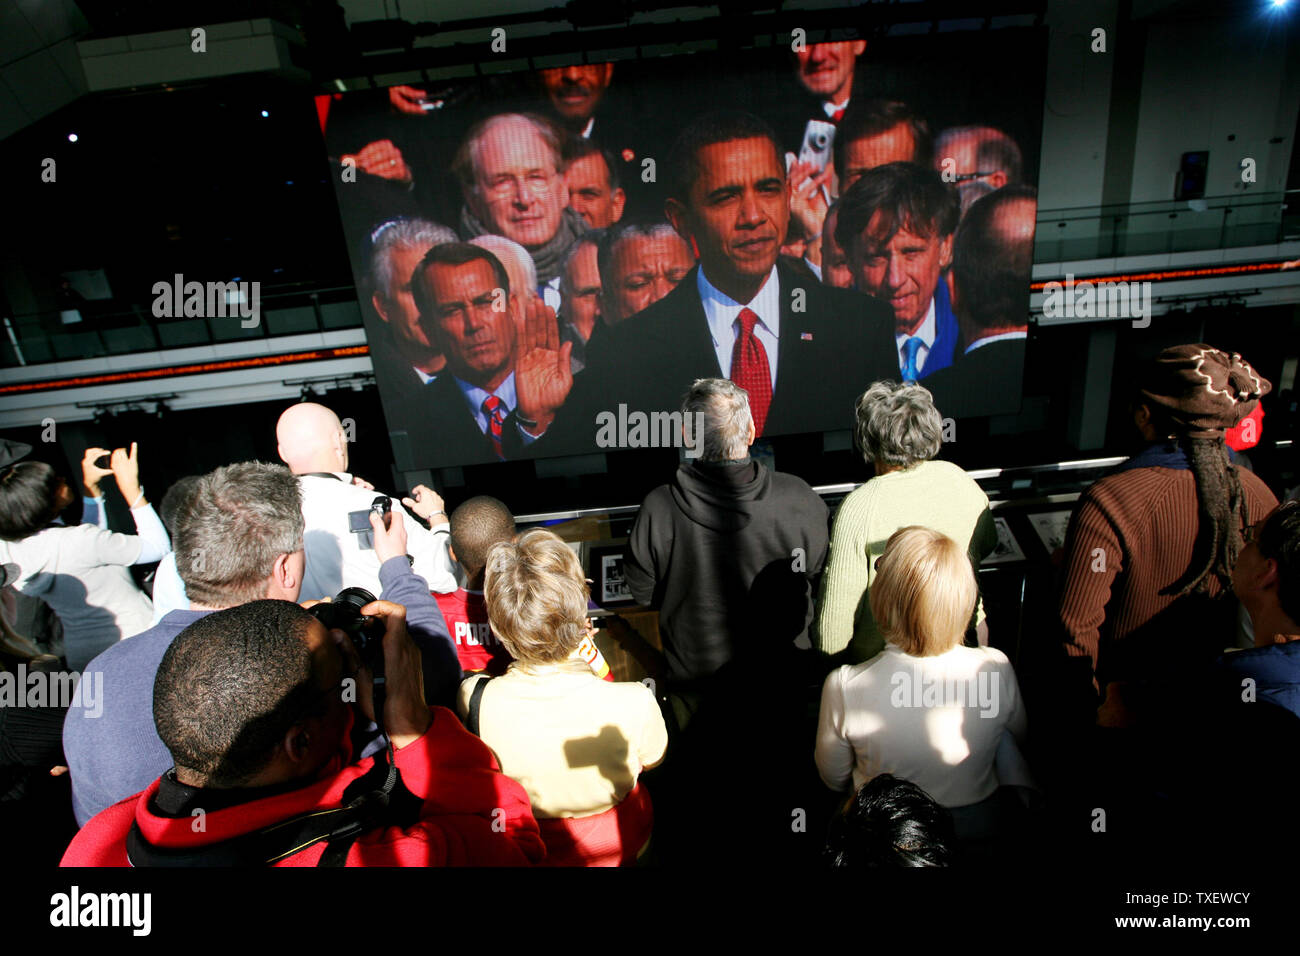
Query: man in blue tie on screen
<point x="896" y="223"/>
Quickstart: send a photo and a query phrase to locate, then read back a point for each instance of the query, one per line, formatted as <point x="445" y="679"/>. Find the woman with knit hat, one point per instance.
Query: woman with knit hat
<point x="1150" y="548"/>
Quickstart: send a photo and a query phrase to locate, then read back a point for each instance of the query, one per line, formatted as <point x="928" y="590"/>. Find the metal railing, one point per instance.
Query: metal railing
<point x="1154" y="228"/>
<point x="85" y="331"/>
<point x="1051" y="483"/>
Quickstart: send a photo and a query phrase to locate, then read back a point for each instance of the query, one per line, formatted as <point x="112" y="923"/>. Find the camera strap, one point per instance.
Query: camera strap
<point x="475" y="705"/>
<point x="366" y="807"/>
<point x="376" y="799"/>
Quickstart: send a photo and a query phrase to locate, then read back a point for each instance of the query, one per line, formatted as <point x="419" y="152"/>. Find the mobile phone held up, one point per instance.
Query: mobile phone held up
<point x="359" y="521"/>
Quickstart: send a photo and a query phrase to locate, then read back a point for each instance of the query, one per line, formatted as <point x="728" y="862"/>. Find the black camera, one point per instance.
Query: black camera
<point x="344" y="613"/>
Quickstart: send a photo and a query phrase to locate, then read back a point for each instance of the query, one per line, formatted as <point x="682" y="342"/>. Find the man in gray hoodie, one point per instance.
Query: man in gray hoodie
<point x="727" y="550"/>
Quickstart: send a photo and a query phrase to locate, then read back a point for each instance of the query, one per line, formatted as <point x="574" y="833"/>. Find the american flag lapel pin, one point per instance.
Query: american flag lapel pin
<point x="805" y="336"/>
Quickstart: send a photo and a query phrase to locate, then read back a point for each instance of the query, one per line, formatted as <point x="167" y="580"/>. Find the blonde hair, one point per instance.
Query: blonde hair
<point x="536" y="597"/>
<point x="924" y="592"/>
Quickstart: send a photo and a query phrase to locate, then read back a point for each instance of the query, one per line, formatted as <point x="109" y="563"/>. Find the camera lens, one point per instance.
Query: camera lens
<point x="357" y="597"/>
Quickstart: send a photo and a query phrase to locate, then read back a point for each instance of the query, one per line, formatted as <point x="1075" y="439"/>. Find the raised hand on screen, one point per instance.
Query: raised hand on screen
<point x="807" y="198"/>
<point x="381" y="158"/>
<point x="542" y="374"/>
<point x="407" y="99"/>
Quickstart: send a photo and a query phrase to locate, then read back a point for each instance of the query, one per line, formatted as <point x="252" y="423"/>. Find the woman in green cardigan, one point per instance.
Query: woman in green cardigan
<point x="899" y="431"/>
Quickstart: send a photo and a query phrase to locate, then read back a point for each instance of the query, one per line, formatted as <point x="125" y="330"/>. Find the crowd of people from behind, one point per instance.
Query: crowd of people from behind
<point x="802" y="244"/>
<point x="827" y="689"/>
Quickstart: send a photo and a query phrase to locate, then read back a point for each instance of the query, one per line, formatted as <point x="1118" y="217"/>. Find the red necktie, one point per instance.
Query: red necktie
<point x="496" y="419"/>
<point x="749" y="369"/>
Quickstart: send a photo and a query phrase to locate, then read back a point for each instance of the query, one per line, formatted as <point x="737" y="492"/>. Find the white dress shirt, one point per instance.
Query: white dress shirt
<point x="168" y="589"/>
<point x="723" y="313"/>
<point x="550" y="293"/>
<point x="337" y="557"/>
<point x="475" y="397"/>
<point x="425" y="377"/>
<point x="928" y="331"/>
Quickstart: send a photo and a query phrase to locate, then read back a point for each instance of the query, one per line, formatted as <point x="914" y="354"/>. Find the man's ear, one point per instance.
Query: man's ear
<point x="282" y="573"/>
<point x="609" y="73"/>
<point x="945" y="252"/>
<point x="1269" y="579"/>
<point x="380" y="305"/>
<point x="998" y="180"/>
<point x="296" y="743"/>
<point x="859" y="48"/>
<point x="678" y="215"/>
<point x="620" y="198"/>
<point x="753" y="432"/>
<point x="451" y="552"/>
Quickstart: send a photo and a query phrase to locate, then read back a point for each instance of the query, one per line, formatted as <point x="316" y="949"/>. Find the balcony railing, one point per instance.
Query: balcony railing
<point x="42" y="337"/>
<point x="1158" y="228"/>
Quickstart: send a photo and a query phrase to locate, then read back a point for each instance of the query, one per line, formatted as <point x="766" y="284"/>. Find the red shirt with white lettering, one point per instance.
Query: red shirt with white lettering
<point x="478" y="648"/>
<point x="467" y="622"/>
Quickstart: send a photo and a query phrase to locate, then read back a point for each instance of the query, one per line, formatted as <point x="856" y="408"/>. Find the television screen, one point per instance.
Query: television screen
<point x="548" y="260"/>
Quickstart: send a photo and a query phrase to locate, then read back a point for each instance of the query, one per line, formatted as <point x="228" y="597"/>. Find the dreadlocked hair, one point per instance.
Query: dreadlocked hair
<point x="1220" y="502"/>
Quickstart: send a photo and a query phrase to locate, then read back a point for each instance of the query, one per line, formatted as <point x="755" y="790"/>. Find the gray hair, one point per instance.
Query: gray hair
<point x="517" y="260"/>
<point x="239" y="520"/>
<point x="724" y="409"/>
<point x="616" y="234"/>
<point x="898" y="425"/>
<point x="396" y="234"/>
<point x="591" y="237"/>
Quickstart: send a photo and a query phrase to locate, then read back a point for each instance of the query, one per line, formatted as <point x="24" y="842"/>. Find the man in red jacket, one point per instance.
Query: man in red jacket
<point x="254" y="705"/>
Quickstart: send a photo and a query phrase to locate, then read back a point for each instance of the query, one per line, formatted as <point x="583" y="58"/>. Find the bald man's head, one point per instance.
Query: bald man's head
<point x="311" y="438"/>
<point x="978" y="154"/>
<point x="993" y="259"/>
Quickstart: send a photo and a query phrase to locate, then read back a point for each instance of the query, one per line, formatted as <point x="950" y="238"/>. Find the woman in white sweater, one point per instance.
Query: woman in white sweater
<point x="80" y="571"/>
<point x="926" y="708"/>
<point x="899" y="432"/>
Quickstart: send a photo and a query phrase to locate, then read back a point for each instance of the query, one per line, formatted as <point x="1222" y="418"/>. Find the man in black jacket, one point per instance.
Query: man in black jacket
<point x="802" y="350"/>
<point x="727" y="552"/>
<point x="992" y="263"/>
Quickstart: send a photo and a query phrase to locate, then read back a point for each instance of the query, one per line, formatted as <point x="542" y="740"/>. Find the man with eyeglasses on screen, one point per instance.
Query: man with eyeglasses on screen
<point x="511" y="172"/>
<point x="978" y="159"/>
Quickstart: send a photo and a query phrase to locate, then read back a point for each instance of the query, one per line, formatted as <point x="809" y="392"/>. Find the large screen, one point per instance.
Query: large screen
<point x="548" y="260"/>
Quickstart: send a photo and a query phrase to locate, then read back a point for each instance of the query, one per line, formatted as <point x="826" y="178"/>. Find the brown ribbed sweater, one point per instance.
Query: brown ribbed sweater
<point x="1144" y="522"/>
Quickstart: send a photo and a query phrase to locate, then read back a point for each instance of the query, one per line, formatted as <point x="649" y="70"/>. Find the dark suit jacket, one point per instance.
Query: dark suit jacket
<point x="403" y="393"/>
<point x="988" y="381"/>
<point x="829" y="353"/>
<point x="445" y="432"/>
